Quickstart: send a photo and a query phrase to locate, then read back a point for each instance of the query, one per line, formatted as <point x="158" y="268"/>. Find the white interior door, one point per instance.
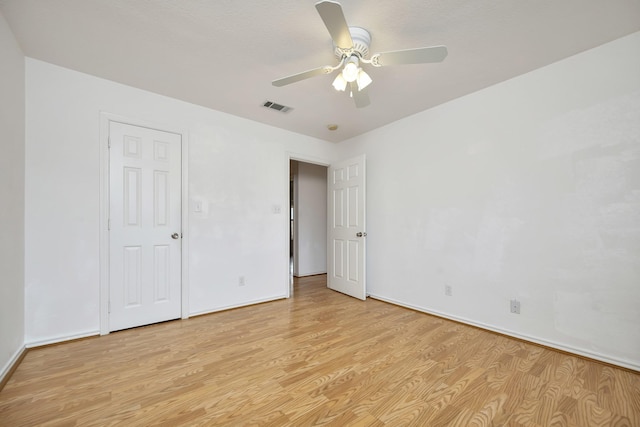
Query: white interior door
<point x="145" y="226"/>
<point x="346" y="250"/>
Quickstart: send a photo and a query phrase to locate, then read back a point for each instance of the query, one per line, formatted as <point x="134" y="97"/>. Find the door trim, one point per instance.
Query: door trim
<point x="105" y="121"/>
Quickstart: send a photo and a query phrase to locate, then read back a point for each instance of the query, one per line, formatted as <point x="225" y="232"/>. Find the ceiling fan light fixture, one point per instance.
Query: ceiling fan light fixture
<point x="351" y="69"/>
<point x="339" y="84"/>
<point x="363" y="79"/>
<point x="351" y="46"/>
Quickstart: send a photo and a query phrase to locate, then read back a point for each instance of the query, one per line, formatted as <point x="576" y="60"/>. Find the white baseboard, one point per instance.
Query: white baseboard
<point x="231" y="307"/>
<point x="11" y="365"/>
<point x="310" y="274"/>
<point x="62" y="338"/>
<point x="628" y="364"/>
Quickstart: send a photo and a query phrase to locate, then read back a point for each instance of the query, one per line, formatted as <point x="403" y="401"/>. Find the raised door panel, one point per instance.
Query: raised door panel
<point x="161" y="273"/>
<point x="132" y="270"/>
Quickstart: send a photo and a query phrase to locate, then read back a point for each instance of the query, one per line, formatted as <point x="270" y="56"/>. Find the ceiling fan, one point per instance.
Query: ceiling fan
<point x="352" y="47"/>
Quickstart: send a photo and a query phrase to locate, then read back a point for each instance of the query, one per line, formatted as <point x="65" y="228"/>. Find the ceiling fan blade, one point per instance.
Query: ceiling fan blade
<point x="302" y="76"/>
<point x="420" y="55"/>
<point x="360" y="97"/>
<point x="333" y="18"/>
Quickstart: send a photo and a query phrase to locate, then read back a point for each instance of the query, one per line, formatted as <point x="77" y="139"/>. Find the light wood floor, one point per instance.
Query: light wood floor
<point x="320" y="358"/>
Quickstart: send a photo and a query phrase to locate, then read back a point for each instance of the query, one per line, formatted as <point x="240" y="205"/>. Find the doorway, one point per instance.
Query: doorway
<point x="143" y="223"/>
<point x="145" y="226"/>
<point x="308" y="218"/>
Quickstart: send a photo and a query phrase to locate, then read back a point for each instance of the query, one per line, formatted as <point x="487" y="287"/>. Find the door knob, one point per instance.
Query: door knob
<point x="361" y="234"/>
<point x="175" y="236"/>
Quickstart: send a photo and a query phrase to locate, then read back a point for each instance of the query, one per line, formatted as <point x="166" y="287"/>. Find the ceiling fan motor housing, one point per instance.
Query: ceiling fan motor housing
<point x="361" y="41"/>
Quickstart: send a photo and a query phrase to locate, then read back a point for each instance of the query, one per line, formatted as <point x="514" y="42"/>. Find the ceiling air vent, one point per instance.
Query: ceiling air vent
<point x="277" y="107"/>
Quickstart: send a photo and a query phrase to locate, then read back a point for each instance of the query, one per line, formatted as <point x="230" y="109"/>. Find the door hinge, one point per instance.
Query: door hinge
<point x="109" y="224"/>
<point x="109" y="309"/>
<point x="109" y="143"/>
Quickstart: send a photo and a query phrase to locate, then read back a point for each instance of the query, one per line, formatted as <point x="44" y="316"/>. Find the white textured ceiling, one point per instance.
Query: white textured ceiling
<point x="223" y="54"/>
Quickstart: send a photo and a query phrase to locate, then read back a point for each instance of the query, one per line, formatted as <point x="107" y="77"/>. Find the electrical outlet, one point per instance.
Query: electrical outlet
<point x="515" y="306"/>
<point x="448" y="291"/>
<point x="241" y="281"/>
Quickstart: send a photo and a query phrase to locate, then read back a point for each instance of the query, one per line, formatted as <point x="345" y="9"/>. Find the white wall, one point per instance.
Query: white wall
<point x="529" y="189"/>
<point x="237" y="169"/>
<point x="11" y="198"/>
<point x="310" y="205"/>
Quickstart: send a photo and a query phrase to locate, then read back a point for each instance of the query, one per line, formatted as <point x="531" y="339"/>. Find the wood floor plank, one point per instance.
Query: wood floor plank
<point x="319" y="358"/>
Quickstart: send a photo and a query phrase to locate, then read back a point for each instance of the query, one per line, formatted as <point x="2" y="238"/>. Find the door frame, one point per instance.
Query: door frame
<point x="105" y="121"/>
<point x="290" y="155"/>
